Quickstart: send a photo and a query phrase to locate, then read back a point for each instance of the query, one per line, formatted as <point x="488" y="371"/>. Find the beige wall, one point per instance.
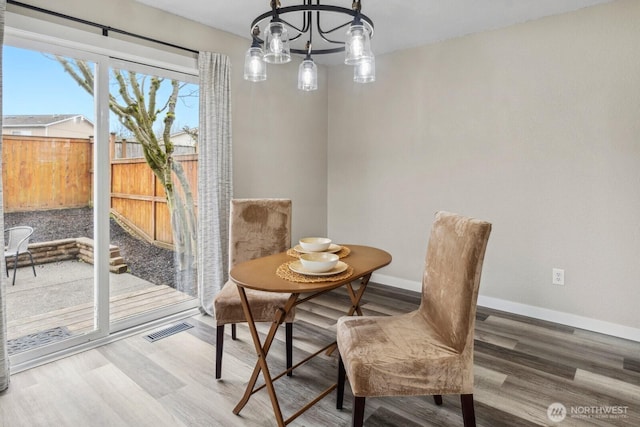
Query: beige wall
<point x="279" y="133"/>
<point x="535" y="128"/>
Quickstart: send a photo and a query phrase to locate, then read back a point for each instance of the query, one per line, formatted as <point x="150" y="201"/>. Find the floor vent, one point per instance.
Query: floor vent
<point x="169" y="330"/>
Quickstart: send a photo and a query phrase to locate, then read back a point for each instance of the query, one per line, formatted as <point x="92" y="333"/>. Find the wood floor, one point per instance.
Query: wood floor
<point x="522" y="367"/>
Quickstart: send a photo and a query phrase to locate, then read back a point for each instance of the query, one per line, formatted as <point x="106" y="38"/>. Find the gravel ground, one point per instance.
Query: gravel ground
<point x="145" y="260"/>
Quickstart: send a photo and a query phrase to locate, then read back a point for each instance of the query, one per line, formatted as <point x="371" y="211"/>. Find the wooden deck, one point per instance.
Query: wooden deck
<point x="61" y="295"/>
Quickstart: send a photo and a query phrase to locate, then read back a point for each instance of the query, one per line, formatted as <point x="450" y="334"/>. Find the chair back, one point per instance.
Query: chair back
<point x="258" y="227"/>
<point x="18" y="240"/>
<point x="451" y="276"/>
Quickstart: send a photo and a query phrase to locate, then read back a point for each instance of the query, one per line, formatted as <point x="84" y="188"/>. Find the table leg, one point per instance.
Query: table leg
<point x="355" y="303"/>
<point x="356" y="296"/>
<point x="262" y="350"/>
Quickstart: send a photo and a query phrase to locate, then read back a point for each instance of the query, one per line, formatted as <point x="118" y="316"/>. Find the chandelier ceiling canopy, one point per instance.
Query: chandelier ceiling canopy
<point x="310" y="29"/>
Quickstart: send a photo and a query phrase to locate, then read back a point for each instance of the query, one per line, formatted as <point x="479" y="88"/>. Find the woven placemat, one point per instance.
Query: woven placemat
<point x="341" y="253"/>
<point x="284" y="272"/>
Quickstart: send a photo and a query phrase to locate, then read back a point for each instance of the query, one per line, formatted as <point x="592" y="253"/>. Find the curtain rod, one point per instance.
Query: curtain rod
<point x="105" y="28"/>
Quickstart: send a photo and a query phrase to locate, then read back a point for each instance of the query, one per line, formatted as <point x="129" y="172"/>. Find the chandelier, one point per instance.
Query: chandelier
<point x="293" y="29"/>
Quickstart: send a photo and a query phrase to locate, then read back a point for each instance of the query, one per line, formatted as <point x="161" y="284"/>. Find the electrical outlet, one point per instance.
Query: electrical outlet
<point x="557" y="276"/>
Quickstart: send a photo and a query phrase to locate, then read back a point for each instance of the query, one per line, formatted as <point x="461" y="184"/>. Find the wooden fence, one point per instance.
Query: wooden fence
<point x="41" y="173"/>
<point x="138" y="198"/>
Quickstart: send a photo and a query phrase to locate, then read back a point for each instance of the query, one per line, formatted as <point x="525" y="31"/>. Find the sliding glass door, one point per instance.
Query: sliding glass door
<point x="99" y="158"/>
<point x="48" y="171"/>
<point x="153" y="194"/>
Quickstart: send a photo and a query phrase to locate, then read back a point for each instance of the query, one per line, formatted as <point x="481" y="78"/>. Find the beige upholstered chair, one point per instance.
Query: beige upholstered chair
<point x="428" y="351"/>
<point x="258" y="227"/>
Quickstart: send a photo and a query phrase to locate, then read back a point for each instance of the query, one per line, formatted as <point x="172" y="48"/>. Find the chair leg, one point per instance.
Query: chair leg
<point x="468" y="413"/>
<point x="15" y="270"/>
<point x="233" y="332"/>
<point x="289" y="344"/>
<point x="357" y="418"/>
<point x="340" y="387"/>
<point x="219" y="344"/>
<point x="33" y="266"/>
<point x="438" y="399"/>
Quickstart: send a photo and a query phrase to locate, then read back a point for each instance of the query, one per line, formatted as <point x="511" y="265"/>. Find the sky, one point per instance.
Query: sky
<point x="34" y="83"/>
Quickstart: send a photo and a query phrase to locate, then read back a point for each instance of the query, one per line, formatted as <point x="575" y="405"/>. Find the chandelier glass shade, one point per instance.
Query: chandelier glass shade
<point x="326" y="29"/>
<point x="358" y="45"/>
<point x="308" y="75"/>
<point x="276" y="44"/>
<point x="365" y="70"/>
<point x="255" y="69"/>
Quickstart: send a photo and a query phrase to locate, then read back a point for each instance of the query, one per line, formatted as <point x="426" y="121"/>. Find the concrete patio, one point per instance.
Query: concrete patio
<point x="62" y="293"/>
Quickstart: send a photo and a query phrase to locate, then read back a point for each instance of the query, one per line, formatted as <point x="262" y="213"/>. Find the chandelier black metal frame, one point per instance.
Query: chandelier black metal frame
<point x="307" y="26"/>
<point x="274" y="46"/>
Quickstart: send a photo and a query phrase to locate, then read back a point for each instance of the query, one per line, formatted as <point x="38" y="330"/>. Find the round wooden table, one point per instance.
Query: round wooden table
<point x="260" y="274"/>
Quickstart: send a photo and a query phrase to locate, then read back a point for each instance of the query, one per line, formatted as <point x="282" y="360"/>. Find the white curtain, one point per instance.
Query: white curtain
<point x="215" y="186"/>
<point x="4" y="355"/>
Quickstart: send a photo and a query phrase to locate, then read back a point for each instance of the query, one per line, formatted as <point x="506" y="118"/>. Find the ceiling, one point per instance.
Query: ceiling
<point x="398" y="24"/>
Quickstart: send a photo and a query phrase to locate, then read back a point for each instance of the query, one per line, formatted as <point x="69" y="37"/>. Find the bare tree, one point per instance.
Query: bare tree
<point x="137" y="108"/>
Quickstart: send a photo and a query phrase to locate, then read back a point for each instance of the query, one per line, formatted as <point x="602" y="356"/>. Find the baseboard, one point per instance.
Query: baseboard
<point x="408" y="285"/>
<point x="567" y="319"/>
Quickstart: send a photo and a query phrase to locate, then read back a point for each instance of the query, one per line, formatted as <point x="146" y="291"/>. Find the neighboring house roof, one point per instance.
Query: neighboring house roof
<point x="180" y="136"/>
<point x="39" y="120"/>
<point x="179" y="133"/>
<point x="186" y="137"/>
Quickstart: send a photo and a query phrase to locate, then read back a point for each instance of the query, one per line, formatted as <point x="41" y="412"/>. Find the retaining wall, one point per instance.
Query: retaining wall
<point x="80" y="248"/>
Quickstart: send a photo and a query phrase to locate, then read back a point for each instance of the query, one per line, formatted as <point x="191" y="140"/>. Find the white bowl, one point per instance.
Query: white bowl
<point x="315" y="244"/>
<point x="318" y="262"/>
